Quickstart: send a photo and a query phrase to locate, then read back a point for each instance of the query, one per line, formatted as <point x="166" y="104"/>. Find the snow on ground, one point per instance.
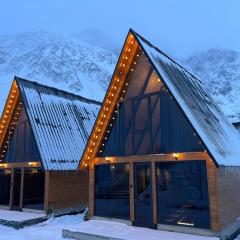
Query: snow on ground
<point x="18" y="216"/>
<point x="52" y="230"/>
<point x="48" y="230"/>
<point x="123" y="231"/>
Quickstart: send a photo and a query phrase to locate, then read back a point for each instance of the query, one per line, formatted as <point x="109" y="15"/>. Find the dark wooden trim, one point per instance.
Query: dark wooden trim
<point x="20" y="165"/>
<point x="21" y="188"/>
<point x="154" y="192"/>
<point x="131" y="191"/>
<point x="46" y="191"/>
<point x="11" y="189"/>
<point x="152" y="157"/>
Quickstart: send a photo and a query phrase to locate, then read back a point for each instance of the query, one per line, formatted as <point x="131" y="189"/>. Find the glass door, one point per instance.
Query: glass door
<point x="16" y="189"/>
<point x="143" y="195"/>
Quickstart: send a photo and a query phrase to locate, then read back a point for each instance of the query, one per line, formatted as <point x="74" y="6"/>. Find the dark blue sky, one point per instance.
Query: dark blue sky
<point x="180" y="27"/>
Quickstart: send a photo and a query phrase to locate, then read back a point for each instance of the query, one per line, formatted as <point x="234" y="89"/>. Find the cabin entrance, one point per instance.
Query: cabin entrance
<point x="16" y="189"/>
<point x="5" y="183"/>
<point x="143" y="195"/>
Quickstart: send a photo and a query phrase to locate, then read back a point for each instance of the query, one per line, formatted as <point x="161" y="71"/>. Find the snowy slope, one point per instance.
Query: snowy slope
<point x="219" y="70"/>
<point x="63" y="62"/>
<point x="72" y="64"/>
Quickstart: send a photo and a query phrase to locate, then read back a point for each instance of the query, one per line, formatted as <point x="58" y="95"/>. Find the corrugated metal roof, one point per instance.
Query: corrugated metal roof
<point x="217" y="133"/>
<point x="61" y="123"/>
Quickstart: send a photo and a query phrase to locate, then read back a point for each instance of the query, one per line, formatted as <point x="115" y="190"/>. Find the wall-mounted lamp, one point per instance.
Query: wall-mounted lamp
<point x="175" y="156"/>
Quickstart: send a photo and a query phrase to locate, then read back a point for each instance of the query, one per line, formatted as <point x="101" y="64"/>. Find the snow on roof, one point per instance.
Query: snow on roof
<point x="218" y="135"/>
<point x="61" y="123"/>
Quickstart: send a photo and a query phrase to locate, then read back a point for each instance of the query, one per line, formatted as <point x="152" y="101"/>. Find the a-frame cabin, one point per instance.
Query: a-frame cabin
<point x="162" y="154"/>
<point x="42" y="137"/>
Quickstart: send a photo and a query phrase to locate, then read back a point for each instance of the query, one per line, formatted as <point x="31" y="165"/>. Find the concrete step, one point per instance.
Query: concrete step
<point x="84" y="236"/>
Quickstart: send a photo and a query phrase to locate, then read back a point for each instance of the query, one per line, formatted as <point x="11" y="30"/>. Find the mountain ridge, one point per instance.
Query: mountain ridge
<point x="68" y="63"/>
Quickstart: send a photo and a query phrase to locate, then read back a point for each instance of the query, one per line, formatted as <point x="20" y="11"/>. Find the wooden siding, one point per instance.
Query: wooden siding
<point x="211" y="175"/>
<point x="67" y="190"/>
<point x="228" y="196"/>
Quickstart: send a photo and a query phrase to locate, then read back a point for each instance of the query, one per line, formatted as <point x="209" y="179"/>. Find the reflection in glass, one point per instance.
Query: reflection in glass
<point x="143" y="195"/>
<point x="33" y="196"/>
<point x="5" y="181"/>
<point x="182" y="194"/>
<point x="112" y="191"/>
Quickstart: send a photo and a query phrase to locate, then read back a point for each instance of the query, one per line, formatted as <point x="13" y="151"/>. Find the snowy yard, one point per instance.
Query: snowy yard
<point x="52" y="230"/>
<point x="48" y="230"/>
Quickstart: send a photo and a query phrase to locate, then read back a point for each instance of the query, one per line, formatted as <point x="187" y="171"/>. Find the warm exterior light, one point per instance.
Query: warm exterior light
<point x="85" y="165"/>
<point x="176" y="156"/>
<point x="3" y="164"/>
<point x="107" y="159"/>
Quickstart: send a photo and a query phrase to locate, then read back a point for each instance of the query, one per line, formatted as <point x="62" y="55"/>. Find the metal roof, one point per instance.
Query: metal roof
<point x="61" y="123"/>
<point x="220" y="138"/>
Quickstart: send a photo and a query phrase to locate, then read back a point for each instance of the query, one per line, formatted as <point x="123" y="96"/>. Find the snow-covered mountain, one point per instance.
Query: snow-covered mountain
<point x="63" y="62"/>
<point x="78" y="64"/>
<point x="219" y="70"/>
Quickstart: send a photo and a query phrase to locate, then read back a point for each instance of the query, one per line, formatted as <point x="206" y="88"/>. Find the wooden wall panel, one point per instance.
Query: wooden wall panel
<point x="91" y="202"/>
<point x="228" y="183"/>
<point x="212" y="193"/>
<point x="67" y="190"/>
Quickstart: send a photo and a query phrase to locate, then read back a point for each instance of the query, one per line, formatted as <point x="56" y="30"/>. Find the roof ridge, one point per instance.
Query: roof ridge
<point x="57" y="89"/>
<point x="164" y="54"/>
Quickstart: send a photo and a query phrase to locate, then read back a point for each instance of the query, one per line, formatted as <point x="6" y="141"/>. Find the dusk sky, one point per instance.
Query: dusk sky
<point x="180" y="27"/>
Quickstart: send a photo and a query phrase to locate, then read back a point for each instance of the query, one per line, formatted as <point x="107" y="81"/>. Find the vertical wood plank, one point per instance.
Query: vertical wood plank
<point x="131" y="188"/>
<point x="91" y="197"/>
<point x="21" y="189"/>
<point x="11" y="189"/>
<point x="212" y="193"/>
<point x="46" y="191"/>
<point x="154" y="191"/>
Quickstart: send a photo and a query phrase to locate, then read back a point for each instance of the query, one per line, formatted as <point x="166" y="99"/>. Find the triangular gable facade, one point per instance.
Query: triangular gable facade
<point x="194" y="116"/>
<point x="59" y="122"/>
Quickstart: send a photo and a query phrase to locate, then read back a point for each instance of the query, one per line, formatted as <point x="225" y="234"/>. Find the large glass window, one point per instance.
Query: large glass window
<point x="22" y="145"/>
<point x="33" y="196"/>
<point x="182" y="194"/>
<point x="112" y="191"/>
<point x="148" y="119"/>
<point x="5" y="182"/>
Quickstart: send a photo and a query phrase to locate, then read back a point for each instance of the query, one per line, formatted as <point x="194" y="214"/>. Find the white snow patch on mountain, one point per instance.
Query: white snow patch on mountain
<point x="78" y="64"/>
<point x="63" y="62"/>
